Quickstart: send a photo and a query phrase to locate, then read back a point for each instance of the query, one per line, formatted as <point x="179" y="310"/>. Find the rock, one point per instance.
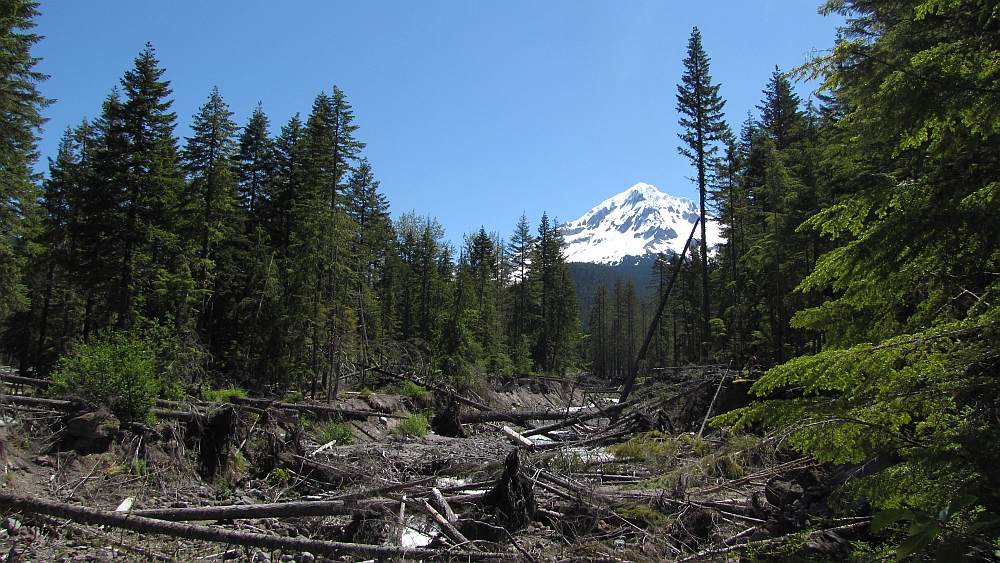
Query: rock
<point x="43" y="461"/>
<point x="383" y="403"/>
<point x="305" y="557"/>
<point x="781" y="491"/>
<point x="12" y="525"/>
<point x="97" y="425"/>
<point x="826" y="544"/>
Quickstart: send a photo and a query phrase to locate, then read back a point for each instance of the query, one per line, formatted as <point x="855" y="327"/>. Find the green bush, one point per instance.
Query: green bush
<point x="415" y="425"/>
<point x="113" y="370"/>
<point x="411" y="390"/>
<point x="339" y="432"/>
<point x="222" y="395"/>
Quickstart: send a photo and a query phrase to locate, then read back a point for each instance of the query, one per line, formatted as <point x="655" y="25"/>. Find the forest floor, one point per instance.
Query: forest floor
<point x="353" y="479"/>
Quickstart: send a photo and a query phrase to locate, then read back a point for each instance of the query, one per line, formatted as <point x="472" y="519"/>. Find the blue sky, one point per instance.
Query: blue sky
<point x="473" y="111"/>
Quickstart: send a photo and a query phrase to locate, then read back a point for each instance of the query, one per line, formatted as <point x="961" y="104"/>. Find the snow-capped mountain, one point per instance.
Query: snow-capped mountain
<point x="640" y="221"/>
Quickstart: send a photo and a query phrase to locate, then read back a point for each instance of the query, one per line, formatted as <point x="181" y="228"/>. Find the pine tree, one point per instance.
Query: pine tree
<point x="555" y="316"/>
<point x="909" y="365"/>
<point x="254" y="165"/>
<point x="130" y="206"/>
<point x="211" y="203"/>
<point x="519" y="257"/>
<point x="20" y="122"/>
<point x="700" y="106"/>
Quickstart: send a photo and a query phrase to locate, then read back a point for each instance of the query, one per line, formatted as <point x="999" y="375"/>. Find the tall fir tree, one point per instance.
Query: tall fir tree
<point x="213" y="222"/>
<point x="20" y="122"/>
<point x="702" y="118"/>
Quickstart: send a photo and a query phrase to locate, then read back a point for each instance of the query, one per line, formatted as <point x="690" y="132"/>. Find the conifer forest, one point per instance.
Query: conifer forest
<point x="839" y="350"/>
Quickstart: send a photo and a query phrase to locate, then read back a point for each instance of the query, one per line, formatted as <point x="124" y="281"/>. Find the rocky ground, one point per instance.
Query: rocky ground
<point x="645" y="483"/>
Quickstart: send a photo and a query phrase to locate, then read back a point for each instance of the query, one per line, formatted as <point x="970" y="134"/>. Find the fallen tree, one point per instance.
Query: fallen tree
<point x="140" y="524"/>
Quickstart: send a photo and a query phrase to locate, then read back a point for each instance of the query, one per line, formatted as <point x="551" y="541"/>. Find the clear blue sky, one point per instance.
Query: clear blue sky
<point x="473" y="111"/>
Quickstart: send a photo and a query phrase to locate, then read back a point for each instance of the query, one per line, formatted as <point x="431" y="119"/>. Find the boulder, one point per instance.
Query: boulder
<point x="98" y="425"/>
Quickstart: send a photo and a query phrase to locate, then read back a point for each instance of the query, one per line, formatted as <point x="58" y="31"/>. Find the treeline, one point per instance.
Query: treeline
<point x="860" y="261"/>
<point x="262" y="261"/>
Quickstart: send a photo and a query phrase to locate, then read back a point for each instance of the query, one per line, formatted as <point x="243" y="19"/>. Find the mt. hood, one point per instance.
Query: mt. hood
<point x="638" y="222"/>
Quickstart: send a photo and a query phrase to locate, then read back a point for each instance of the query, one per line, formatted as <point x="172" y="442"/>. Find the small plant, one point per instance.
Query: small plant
<point x="654" y="447"/>
<point x="240" y="464"/>
<point x="700" y="445"/>
<point x="280" y="476"/>
<point x="339" y="432"/>
<point x="411" y="390"/>
<point x="415" y="425"/>
<point x="174" y="392"/>
<point x="138" y="467"/>
<point x="294" y="397"/>
<point x="114" y="370"/>
<point x="222" y="395"/>
<point x="223" y="490"/>
<point x="365" y="393"/>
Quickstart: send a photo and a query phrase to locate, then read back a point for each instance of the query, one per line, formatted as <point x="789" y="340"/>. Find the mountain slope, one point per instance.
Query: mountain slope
<point x="637" y="222"/>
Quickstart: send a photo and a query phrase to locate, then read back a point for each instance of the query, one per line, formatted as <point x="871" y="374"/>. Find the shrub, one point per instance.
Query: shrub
<point x="222" y="395"/>
<point x="339" y="432"/>
<point x="654" y="447"/>
<point x="411" y="390"/>
<point x="415" y="425"/>
<point x="114" y="370"/>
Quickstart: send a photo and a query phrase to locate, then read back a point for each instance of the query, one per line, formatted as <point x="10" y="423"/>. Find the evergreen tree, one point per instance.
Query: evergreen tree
<point x="909" y="365"/>
<point x="211" y="208"/>
<point x="519" y="258"/>
<point x="254" y="165"/>
<point x="20" y="121"/>
<point x="555" y="316"/>
<point x="700" y="106"/>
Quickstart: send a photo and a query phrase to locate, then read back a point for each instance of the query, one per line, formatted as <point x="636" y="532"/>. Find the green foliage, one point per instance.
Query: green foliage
<point x="333" y="430"/>
<point x="413" y="425"/>
<point x="953" y="525"/>
<point x="339" y="432"/>
<point x="279" y="477"/>
<point x="222" y="395"/>
<point x="655" y="447"/>
<point x="411" y="390"/>
<point x="114" y="370"/>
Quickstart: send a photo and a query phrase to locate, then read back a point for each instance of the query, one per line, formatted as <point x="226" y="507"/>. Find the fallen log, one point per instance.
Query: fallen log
<point x="512" y="416"/>
<point x="248" y="511"/>
<point x="140" y="524"/>
<point x="581" y="417"/>
<point x="517" y="439"/>
<point x="324" y="409"/>
<point x="61" y="405"/>
<point x="16" y="379"/>
<point x="38" y="402"/>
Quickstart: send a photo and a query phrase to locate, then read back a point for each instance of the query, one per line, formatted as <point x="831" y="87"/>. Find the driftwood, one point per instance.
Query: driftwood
<point x="150" y="526"/>
<point x="435" y="388"/>
<point x="18" y="380"/>
<point x="580" y="417"/>
<point x="512" y="416"/>
<point x="324" y="409"/>
<point x="247" y="511"/>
